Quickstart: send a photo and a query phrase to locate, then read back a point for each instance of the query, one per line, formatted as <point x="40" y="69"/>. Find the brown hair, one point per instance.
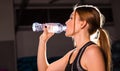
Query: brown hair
<point x="93" y="17"/>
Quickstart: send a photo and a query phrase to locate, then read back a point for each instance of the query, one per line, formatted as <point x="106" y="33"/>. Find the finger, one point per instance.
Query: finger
<point x="45" y="29"/>
<point x="45" y="26"/>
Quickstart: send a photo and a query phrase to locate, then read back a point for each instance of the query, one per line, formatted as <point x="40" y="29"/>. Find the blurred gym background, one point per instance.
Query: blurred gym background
<point x="18" y="43"/>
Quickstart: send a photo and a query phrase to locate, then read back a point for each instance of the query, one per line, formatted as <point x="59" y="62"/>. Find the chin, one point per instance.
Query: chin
<point x="68" y="35"/>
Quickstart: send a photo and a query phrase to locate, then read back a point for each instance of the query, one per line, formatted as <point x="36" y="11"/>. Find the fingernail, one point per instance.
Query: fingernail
<point x="45" y="26"/>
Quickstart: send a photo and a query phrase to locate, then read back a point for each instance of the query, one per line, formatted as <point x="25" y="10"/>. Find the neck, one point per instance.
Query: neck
<point x="80" y="39"/>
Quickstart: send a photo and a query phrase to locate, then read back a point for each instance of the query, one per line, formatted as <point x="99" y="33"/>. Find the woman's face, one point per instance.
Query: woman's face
<point x="73" y="24"/>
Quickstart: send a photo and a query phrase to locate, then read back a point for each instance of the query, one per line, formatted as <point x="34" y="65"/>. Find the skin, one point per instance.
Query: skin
<point x="92" y="59"/>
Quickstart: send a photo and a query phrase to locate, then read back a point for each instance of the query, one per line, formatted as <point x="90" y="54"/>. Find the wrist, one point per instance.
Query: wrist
<point x="42" y="41"/>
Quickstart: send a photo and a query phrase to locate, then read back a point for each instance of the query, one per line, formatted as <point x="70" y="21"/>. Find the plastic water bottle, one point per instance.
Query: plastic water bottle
<point x="52" y="27"/>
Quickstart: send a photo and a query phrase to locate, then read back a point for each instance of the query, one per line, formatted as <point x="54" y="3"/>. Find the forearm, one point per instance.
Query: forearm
<point x="41" y="57"/>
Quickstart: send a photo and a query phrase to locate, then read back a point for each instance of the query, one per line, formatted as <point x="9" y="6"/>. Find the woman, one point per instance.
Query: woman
<point x="84" y="21"/>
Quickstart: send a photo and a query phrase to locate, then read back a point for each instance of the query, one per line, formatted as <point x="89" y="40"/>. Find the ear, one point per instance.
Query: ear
<point x="83" y="24"/>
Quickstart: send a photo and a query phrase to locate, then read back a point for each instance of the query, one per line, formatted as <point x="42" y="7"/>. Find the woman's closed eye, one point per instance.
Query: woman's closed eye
<point x="71" y="17"/>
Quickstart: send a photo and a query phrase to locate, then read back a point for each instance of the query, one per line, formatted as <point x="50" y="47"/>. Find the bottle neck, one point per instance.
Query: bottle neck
<point x="64" y="28"/>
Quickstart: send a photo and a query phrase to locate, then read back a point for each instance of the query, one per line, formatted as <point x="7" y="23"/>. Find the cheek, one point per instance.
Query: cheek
<point x="77" y="27"/>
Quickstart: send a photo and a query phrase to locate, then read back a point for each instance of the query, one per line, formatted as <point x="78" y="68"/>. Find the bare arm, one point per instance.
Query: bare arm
<point x="43" y="65"/>
<point x="42" y="62"/>
<point x="41" y="56"/>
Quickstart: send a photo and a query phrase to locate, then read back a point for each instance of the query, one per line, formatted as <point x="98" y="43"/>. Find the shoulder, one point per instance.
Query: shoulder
<point x="94" y="57"/>
<point x="93" y="48"/>
<point x="93" y="51"/>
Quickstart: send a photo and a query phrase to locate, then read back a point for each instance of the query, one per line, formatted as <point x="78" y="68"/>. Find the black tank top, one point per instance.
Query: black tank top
<point x="76" y="66"/>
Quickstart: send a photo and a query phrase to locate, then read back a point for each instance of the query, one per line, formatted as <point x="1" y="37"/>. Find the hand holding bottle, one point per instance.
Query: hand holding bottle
<point x="45" y="35"/>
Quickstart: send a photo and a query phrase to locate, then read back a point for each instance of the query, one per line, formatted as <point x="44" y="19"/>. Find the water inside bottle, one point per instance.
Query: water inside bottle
<point x="52" y="27"/>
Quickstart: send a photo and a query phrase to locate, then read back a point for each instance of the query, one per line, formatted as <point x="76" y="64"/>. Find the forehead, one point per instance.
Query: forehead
<point x="74" y="14"/>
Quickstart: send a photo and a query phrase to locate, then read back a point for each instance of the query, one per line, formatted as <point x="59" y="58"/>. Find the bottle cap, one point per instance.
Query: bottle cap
<point x="33" y="27"/>
<point x="36" y="26"/>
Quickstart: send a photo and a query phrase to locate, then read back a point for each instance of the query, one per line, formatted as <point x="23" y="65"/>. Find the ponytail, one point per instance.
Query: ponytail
<point x="105" y="46"/>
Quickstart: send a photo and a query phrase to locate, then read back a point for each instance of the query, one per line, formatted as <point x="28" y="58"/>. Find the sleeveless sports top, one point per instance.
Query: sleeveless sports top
<point x="76" y="66"/>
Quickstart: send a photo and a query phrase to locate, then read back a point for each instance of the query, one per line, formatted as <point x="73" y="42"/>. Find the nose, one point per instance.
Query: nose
<point x="66" y="22"/>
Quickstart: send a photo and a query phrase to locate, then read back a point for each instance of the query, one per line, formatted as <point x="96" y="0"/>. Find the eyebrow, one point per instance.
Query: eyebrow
<point x="71" y="14"/>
